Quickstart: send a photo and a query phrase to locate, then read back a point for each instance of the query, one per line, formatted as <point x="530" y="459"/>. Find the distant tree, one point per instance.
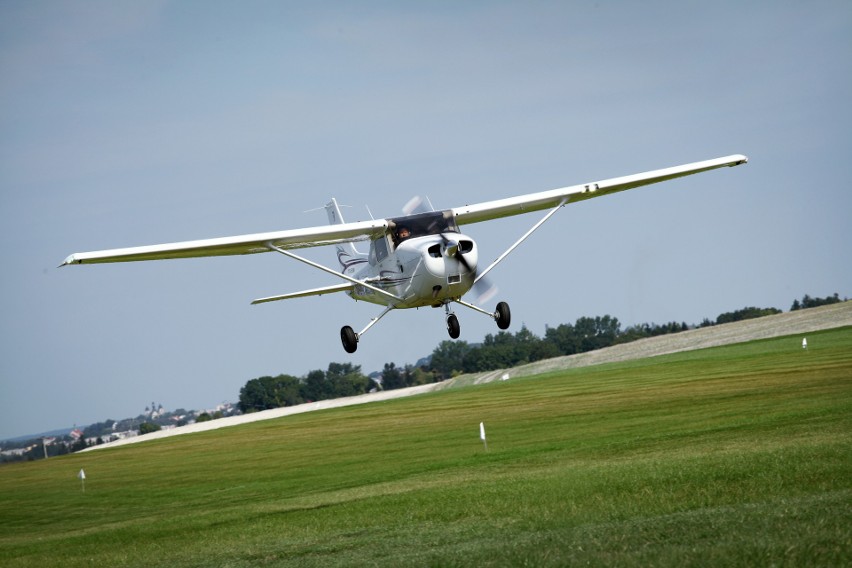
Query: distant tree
<point x="264" y="393"/>
<point x="448" y="358"/>
<point x="418" y="375"/>
<point x="315" y="387"/>
<point x="204" y="417"/>
<point x="77" y="445"/>
<point x="148" y="427"/>
<point x="746" y="313"/>
<point x="808" y="302"/>
<point x="346" y="379"/>
<point x="595" y="333"/>
<point x="393" y="377"/>
<point x="563" y="337"/>
<point x="99" y="429"/>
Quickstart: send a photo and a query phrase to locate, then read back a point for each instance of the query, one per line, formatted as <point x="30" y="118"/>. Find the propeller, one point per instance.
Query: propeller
<point x="483" y="288"/>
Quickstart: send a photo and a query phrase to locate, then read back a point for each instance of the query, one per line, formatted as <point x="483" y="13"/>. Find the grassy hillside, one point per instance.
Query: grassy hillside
<point x="736" y="455"/>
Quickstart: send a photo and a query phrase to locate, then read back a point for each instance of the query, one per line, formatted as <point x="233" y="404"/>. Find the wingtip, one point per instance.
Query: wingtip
<point x="70" y="259"/>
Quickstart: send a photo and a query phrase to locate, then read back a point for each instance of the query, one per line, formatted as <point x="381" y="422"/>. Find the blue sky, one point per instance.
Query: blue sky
<point x="131" y="123"/>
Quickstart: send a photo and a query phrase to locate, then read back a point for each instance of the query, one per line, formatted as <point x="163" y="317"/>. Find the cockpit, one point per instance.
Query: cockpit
<point x="421" y="225"/>
<point x="412" y="226"/>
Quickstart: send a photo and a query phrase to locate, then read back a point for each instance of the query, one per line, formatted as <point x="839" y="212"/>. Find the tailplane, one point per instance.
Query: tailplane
<point x="347" y="255"/>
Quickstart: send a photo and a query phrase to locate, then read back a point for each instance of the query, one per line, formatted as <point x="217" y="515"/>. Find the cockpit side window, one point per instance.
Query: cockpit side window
<point x="378" y="250"/>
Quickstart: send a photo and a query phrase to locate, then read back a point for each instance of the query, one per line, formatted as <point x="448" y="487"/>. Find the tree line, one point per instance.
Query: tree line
<point x="497" y="351"/>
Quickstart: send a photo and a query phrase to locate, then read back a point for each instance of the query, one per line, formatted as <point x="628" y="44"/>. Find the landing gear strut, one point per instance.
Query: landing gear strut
<point x="350" y="339"/>
<point x="503" y="316"/>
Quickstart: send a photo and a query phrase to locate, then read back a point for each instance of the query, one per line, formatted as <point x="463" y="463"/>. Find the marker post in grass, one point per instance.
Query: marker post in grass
<point x="482" y="435"/>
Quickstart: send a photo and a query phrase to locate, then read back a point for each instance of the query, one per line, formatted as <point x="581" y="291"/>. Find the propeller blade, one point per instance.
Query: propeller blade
<point x="484" y="290"/>
<point x="416" y="205"/>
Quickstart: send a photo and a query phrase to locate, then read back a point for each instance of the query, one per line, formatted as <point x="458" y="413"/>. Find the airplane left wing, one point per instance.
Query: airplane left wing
<point x="244" y="244"/>
<point x="563" y="196"/>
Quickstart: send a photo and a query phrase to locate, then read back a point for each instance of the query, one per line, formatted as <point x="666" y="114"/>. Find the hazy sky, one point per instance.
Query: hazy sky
<point x="131" y="123"/>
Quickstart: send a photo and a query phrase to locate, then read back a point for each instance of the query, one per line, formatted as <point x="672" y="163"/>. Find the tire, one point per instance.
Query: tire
<point x="349" y="339"/>
<point x="503" y="315"/>
<point x="453" y="327"/>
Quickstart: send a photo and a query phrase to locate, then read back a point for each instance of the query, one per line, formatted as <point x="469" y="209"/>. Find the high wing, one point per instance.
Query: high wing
<point x="563" y="196"/>
<point x="365" y="230"/>
<point x="244" y="244"/>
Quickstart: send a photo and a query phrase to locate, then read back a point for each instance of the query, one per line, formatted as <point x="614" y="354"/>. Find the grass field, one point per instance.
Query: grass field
<point x="732" y="456"/>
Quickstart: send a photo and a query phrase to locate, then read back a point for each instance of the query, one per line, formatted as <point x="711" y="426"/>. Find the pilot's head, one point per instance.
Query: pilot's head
<point x="403" y="233"/>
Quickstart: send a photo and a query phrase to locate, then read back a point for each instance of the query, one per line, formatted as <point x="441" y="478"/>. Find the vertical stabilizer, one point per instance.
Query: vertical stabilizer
<point x="347" y="255"/>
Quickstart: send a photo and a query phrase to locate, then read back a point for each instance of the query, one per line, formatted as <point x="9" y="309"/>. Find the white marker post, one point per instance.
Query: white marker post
<point x="82" y="477"/>
<point x="482" y="435"/>
<point x="804" y="343"/>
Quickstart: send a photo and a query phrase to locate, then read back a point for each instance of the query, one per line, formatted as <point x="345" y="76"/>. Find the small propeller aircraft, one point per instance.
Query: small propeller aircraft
<point x="417" y="260"/>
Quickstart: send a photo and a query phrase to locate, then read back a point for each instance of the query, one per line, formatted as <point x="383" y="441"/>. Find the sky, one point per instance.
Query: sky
<point x="128" y="123"/>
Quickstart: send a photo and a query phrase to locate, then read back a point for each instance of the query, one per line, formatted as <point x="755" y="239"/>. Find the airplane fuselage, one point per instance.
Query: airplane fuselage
<point x="423" y="271"/>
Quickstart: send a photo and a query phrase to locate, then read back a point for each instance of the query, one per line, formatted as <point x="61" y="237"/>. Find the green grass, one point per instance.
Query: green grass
<point x="733" y="456"/>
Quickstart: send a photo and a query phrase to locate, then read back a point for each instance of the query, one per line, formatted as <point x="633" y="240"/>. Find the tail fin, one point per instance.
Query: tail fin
<point x="347" y="255"/>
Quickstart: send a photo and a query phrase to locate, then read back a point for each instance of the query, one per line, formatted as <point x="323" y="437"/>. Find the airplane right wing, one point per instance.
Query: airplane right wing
<point x="244" y="244"/>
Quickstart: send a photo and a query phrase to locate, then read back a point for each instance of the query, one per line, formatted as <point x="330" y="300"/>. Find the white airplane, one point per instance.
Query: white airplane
<point x="415" y="260"/>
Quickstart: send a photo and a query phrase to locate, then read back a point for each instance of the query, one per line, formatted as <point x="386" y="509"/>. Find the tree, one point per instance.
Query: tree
<point x="563" y="337"/>
<point x="808" y="302"/>
<point x="595" y="333"/>
<point x="746" y="313"/>
<point x="448" y="358"/>
<point x="392" y="377"/>
<point x="346" y="379"/>
<point x="268" y="392"/>
<point x="148" y="427"/>
<point x="314" y="386"/>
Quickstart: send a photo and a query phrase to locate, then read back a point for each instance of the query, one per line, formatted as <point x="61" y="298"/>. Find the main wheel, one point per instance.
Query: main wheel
<point x="503" y="315"/>
<point x="453" y="327"/>
<point x="349" y="339"/>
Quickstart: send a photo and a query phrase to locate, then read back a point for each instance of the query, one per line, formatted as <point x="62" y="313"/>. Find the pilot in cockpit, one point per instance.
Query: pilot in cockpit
<point x="402" y="234"/>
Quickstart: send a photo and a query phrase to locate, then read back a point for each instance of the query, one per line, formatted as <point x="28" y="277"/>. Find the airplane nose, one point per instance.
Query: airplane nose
<point x="451" y="249"/>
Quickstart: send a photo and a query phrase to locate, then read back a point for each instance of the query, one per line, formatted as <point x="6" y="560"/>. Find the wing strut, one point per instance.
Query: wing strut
<point x="332" y="271"/>
<point x="519" y="241"/>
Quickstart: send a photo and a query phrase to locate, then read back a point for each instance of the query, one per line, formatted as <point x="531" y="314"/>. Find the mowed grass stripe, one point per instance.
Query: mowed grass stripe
<point x="737" y="455"/>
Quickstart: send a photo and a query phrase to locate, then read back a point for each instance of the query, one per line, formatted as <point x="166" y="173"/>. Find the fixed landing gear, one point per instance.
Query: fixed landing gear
<point x="453" y="327"/>
<point x="503" y="316"/>
<point x="349" y="339"/>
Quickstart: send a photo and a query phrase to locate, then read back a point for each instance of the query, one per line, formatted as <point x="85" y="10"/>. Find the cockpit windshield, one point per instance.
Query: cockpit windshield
<point x="421" y="225"/>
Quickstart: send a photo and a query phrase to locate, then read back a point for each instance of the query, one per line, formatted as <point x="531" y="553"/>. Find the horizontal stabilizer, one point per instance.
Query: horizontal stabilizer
<point x="303" y="293"/>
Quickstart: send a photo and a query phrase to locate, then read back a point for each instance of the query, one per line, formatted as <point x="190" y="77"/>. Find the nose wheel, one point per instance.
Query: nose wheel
<point x="453" y="327"/>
